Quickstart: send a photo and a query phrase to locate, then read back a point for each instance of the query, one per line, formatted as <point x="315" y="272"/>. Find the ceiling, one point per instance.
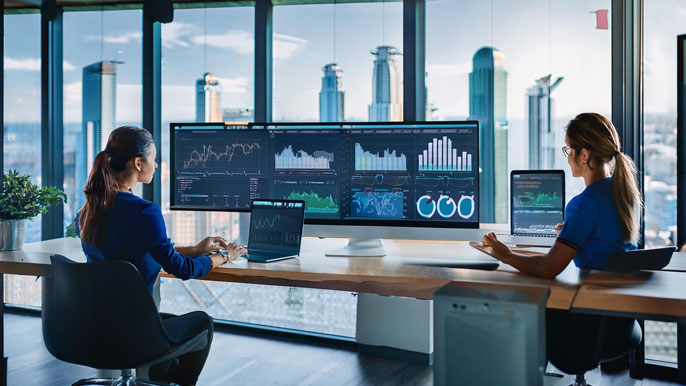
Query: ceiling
<point x="34" y="5"/>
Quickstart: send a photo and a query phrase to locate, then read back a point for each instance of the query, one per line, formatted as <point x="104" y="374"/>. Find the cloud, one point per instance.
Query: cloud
<point x="240" y="41"/>
<point x="238" y="85"/>
<point x="448" y="69"/>
<point x="67" y="66"/>
<point x="285" y="45"/>
<point x="121" y="38"/>
<point x="31" y="64"/>
<point x="174" y="34"/>
<point x="26" y="64"/>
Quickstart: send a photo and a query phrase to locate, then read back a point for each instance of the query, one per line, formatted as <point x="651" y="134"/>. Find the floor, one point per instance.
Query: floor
<point x="251" y="359"/>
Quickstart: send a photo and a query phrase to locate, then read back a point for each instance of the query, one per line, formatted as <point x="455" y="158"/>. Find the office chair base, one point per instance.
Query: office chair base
<point x="125" y="380"/>
<point x="580" y="381"/>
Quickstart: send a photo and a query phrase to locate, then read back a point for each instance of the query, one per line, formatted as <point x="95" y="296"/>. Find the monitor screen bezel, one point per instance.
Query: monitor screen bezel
<point x="260" y="126"/>
<point x="534" y="172"/>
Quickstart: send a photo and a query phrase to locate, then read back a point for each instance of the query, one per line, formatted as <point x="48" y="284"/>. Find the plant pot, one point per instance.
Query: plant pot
<point x="12" y="234"/>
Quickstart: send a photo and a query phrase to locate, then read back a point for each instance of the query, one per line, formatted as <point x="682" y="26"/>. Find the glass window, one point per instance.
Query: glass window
<point x="221" y="40"/>
<point x="22" y="128"/>
<point x="102" y="89"/>
<point x="348" y="61"/>
<point x="663" y="22"/>
<point x="523" y="87"/>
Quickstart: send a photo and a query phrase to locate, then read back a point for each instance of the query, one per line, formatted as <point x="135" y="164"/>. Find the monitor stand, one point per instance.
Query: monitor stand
<point x="360" y="247"/>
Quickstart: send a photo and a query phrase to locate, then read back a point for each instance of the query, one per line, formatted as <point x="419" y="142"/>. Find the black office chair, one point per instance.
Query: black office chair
<point x="101" y="315"/>
<point x="578" y="343"/>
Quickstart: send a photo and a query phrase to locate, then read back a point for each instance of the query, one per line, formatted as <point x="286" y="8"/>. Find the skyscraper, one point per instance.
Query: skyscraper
<point x="207" y="98"/>
<point x="238" y="114"/>
<point x="332" y="96"/>
<point x="99" y="85"/>
<point x="387" y="87"/>
<point x="542" y="138"/>
<point x="488" y="105"/>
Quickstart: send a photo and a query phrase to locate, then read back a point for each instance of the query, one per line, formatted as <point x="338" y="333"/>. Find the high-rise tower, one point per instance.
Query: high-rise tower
<point x="332" y="96"/>
<point x="488" y="105"/>
<point x="99" y="85"/>
<point x="207" y="98"/>
<point x="542" y="138"/>
<point x="387" y="87"/>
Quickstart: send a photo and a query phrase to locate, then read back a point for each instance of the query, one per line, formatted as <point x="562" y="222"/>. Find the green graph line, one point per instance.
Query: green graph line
<point x="266" y="222"/>
<point x="314" y="203"/>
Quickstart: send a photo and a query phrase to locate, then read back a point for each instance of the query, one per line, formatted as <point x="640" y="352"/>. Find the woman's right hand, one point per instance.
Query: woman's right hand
<point x="233" y="251"/>
<point x="558" y="229"/>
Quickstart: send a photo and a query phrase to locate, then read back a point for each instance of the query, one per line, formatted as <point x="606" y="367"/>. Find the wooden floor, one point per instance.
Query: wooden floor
<point x="250" y="359"/>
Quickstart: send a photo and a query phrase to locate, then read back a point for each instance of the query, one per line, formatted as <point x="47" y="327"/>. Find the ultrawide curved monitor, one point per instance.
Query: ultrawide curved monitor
<point x="367" y="174"/>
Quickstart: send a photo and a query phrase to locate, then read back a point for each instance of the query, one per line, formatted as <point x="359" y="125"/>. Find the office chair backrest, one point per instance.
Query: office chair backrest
<point x="100" y="315"/>
<point x="640" y="259"/>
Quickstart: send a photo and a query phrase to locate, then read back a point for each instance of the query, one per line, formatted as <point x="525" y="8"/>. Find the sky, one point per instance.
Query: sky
<point x="538" y="38"/>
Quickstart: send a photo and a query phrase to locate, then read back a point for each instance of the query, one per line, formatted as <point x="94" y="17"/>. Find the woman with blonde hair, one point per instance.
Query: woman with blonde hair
<point x="600" y="222"/>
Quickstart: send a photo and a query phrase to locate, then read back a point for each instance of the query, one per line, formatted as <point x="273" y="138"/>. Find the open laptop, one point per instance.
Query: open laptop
<point x="537" y="205"/>
<point x="276" y="228"/>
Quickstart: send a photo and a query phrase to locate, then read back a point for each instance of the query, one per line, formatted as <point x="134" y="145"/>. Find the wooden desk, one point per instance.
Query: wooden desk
<point x="657" y="295"/>
<point x="388" y="276"/>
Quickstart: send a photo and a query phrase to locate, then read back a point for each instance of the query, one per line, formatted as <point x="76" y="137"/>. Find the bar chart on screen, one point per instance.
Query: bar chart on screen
<point x="441" y="156"/>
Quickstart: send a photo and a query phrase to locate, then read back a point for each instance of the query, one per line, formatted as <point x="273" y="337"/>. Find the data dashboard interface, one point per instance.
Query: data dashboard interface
<point x="361" y="173"/>
<point x="538" y="202"/>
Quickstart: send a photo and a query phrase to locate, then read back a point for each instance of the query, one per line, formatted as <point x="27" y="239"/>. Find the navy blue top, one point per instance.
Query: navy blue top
<point x="136" y="233"/>
<point x="591" y="226"/>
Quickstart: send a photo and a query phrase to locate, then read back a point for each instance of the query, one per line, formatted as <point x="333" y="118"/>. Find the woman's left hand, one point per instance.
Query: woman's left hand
<point x="211" y="244"/>
<point x="499" y="248"/>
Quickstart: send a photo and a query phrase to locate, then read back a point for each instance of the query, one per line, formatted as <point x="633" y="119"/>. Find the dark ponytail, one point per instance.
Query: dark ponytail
<point x="598" y="135"/>
<point x="124" y="143"/>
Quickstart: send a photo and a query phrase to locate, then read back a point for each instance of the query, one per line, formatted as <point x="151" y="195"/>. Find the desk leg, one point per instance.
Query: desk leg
<point x="681" y="350"/>
<point x="637" y="360"/>
<point x="3" y="358"/>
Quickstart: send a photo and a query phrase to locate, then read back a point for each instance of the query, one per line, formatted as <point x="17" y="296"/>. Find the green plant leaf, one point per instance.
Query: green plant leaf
<point x="22" y="199"/>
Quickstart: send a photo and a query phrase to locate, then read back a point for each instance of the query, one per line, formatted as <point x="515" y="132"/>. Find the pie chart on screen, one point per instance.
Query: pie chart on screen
<point x="426" y="207"/>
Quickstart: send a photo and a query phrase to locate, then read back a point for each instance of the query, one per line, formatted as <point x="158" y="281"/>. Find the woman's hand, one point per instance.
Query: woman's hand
<point x="210" y="244"/>
<point x="500" y="250"/>
<point x="558" y="229"/>
<point x="233" y="251"/>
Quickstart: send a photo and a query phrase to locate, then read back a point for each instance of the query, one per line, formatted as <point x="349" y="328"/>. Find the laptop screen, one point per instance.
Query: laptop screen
<point x="537" y="202"/>
<point x="276" y="226"/>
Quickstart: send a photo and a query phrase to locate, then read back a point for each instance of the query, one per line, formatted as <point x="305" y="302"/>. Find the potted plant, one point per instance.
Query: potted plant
<point x="21" y="200"/>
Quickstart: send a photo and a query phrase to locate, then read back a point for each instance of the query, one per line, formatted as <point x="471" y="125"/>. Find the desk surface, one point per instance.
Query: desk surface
<point x="390" y="275"/>
<point x="653" y="293"/>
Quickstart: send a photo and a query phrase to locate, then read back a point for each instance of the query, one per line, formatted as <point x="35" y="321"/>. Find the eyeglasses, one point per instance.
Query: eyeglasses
<point x="566" y="150"/>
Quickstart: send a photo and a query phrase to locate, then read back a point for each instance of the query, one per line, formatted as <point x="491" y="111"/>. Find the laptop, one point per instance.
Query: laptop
<point x="537" y="205"/>
<point x="276" y="228"/>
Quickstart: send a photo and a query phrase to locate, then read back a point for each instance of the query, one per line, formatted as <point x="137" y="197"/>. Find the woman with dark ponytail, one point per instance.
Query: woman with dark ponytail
<point x="116" y="224"/>
<point x="600" y="222"/>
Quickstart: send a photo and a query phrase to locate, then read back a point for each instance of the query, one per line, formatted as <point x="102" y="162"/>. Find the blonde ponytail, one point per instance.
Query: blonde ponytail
<point x="627" y="197"/>
<point x="595" y="133"/>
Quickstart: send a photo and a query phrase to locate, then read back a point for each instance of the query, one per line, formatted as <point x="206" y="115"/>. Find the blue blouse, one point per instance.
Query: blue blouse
<point x="136" y="233"/>
<point x="592" y="228"/>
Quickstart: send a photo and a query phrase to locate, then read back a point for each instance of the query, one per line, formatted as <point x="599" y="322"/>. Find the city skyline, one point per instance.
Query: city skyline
<point x="98" y="119"/>
<point x="488" y="105"/>
<point x="208" y="98"/>
<point x="332" y="96"/>
<point x="543" y="138"/>
<point x="387" y="86"/>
